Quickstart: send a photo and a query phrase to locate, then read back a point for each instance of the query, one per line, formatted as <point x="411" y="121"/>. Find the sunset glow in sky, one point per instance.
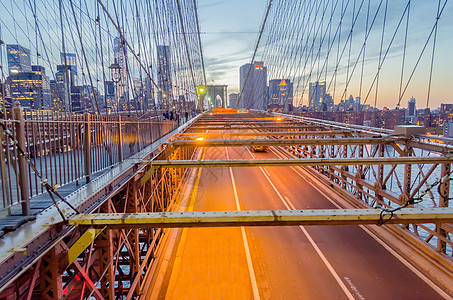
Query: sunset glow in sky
<point x="230" y="30"/>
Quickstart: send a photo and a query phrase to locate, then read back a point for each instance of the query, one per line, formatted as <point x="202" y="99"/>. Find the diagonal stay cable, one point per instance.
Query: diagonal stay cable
<point x="44" y="182"/>
<point x="254" y="53"/>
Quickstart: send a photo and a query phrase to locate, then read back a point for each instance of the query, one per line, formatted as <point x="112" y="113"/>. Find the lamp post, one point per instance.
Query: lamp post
<point x="115" y="73"/>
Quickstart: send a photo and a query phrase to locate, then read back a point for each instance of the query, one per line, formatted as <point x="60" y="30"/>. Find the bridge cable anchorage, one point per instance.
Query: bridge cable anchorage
<point x="44" y="182"/>
<point x="414" y="200"/>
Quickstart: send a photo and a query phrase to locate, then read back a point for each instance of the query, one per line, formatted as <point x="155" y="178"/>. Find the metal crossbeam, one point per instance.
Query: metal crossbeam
<point x="279" y="127"/>
<point x="296" y="162"/>
<point x="82" y="243"/>
<point x="264" y="218"/>
<point x="283" y="142"/>
<point x="277" y="133"/>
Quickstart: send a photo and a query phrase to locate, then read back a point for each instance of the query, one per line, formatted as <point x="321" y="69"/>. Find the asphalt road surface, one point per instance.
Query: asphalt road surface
<point x="291" y="262"/>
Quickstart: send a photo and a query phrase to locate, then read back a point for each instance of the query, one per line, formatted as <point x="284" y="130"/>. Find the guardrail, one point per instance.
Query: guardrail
<point x="419" y="184"/>
<point x="66" y="148"/>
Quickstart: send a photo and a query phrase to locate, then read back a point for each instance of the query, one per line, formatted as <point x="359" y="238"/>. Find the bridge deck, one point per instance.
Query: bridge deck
<point x="328" y="262"/>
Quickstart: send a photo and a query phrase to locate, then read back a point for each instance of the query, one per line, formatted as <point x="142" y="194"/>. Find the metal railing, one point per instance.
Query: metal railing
<point x="422" y="184"/>
<point x="66" y="148"/>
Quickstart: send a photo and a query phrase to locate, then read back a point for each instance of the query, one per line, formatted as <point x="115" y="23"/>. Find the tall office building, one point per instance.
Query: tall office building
<point x="5" y="98"/>
<point x="31" y="89"/>
<point x="18" y="59"/>
<point x="110" y="103"/>
<point x="46" y="102"/>
<point x="448" y="129"/>
<point x="411" y="108"/>
<point x="233" y="99"/>
<point x="148" y="102"/>
<point x="89" y="95"/>
<point x="358" y="105"/>
<point x="57" y="96"/>
<point x="316" y="94"/>
<point x="164" y="75"/>
<point x="120" y="53"/>
<point x="281" y="93"/>
<point x="64" y="98"/>
<point x="71" y="61"/>
<point x="254" y="92"/>
<point x="139" y="92"/>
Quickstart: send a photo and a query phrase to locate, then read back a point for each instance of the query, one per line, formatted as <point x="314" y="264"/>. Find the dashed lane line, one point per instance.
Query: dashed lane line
<point x="289" y="205"/>
<point x="255" y="291"/>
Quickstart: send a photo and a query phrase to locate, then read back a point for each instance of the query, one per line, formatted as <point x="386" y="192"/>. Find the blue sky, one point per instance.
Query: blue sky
<point x="225" y="53"/>
<point x="230" y="30"/>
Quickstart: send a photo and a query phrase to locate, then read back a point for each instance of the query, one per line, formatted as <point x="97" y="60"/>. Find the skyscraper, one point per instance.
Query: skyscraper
<point x="281" y="93"/>
<point x="139" y="92"/>
<point x="31" y="89"/>
<point x="357" y="106"/>
<point x="71" y="62"/>
<point x="254" y="92"/>
<point x="120" y="56"/>
<point x="316" y="94"/>
<point x="68" y="99"/>
<point x="110" y="103"/>
<point x="18" y="59"/>
<point x="45" y="90"/>
<point x="57" y="97"/>
<point x="149" y="94"/>
<point x="164" y="75"/>
<point x="233" y="99"/>
<point x="411" y="108"/>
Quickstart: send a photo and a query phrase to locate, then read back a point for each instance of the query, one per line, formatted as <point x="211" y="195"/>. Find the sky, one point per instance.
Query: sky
<point x="230" y="31"/>
<point x="240" y="21"/>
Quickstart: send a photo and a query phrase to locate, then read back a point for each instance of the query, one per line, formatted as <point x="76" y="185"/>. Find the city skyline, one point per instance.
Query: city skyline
<point x="228" y="43"/>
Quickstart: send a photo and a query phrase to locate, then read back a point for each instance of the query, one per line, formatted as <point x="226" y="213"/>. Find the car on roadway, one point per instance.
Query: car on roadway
<point x="259" y="148"/>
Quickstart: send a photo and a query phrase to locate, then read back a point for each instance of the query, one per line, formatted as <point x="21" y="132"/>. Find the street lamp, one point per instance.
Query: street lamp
<point x="115" y="73"/>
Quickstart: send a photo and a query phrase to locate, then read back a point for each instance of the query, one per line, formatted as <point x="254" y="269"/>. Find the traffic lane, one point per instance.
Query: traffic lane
<point x="212" y="262"/>
<point x="285" y="263"/>
<point x="363" y="263"/>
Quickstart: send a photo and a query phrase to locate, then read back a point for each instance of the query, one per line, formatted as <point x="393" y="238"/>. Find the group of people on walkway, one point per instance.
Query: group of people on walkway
<point x="177" y="116"/>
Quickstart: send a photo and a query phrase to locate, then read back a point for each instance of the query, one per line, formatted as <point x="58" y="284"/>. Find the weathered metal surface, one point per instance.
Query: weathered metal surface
<point x="82" y="243"/>
<point x="245" y="127"/>
<point x="264" y="218"/>
<point x="276" y="133"/>
<point x="295" y="162"/>
<point x="22" y="248"/>
<point x="284" y="142"/>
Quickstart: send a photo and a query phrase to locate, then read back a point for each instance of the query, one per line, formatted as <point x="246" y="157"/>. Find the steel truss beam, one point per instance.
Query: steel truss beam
<point x="296" y="162"/>
<point x="279" y="127"/>
<point x="284" y="142"/>
<point x="264" y="218"/>
<point x="247" y="122"/>
<point x="278" y="133"/>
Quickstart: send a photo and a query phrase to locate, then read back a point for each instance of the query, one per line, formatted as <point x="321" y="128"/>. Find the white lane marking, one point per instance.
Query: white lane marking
<point x="404" y="261"/>
<point x="289" y="205"/>
<point x="354" y="288"/>
<point x="248" y="256"/>
<point x="268" y="174"/>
